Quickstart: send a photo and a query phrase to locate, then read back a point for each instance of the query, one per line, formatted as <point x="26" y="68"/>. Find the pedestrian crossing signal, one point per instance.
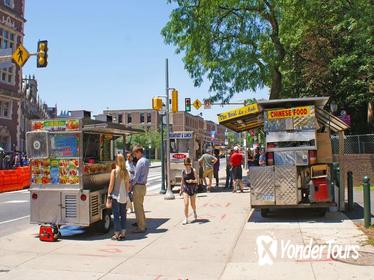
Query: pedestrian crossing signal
<point x="42" y="58"/>
<point x="187" y="105"/>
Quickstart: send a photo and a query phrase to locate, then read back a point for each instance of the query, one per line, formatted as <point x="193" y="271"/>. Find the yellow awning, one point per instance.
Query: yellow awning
<point x="242" y="119"/>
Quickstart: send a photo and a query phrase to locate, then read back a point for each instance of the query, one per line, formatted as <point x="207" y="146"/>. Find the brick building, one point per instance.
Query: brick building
<point x="11" y="34"/>
<point x="147" y="119"/>
<point x="180" y="121"/>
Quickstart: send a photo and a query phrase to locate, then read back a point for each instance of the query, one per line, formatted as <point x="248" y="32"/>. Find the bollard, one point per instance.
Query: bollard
<point x="350" y="190"/>
<point x="367" y="206"/>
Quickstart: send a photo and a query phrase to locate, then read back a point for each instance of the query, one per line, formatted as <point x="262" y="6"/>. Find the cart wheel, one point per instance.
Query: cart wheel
<point x="103" y="225"/>
<point x="265" y="212"/>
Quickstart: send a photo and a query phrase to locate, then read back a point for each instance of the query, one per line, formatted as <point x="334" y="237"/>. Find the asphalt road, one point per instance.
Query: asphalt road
<point x="15" y="206"/>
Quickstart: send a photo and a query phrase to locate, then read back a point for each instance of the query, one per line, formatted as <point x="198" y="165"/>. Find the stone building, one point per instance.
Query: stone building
<point x="11" y="34"/>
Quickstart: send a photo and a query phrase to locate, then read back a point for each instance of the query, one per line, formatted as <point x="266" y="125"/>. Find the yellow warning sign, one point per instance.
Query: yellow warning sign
<point x="20" y="55"/>
<point x="197" y="104"/>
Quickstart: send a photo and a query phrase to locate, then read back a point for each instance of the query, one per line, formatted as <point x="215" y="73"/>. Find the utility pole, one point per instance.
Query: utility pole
<point x="169" y="193"/>
<point x="162" y="156"/>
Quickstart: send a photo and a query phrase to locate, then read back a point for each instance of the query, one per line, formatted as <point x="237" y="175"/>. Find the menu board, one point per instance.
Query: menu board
<point x="55" y="171"/>
<point x="69" y="171"/>
<point x="41" y="173"/>
<point x="56" y="125"/>
<point x="64" y="145"/>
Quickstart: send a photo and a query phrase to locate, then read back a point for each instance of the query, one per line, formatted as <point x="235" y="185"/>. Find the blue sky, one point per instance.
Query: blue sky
<point x="108" y="54"/>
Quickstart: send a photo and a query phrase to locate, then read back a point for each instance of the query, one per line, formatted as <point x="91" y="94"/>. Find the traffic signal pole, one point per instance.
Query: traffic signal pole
<point x="169" y="193"/>
<point x="162" y="156"/>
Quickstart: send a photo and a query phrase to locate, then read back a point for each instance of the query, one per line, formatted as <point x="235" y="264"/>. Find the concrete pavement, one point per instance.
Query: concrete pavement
<point x="221" y="245"/>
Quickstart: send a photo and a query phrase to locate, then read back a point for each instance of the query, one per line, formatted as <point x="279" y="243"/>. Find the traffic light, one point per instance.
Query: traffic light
<point x="42" y="58"/>
<point x="174" y="101"/>
<point x="187" y="104"/>
<point x="157" y="103"/>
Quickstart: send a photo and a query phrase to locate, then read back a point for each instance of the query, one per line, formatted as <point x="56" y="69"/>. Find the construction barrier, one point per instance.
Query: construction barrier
<point x="15" y="179"/>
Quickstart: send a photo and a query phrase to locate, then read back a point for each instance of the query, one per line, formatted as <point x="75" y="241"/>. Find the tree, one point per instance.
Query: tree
<point x="149" y="137"/>
<point x="331" y="53"/>
<point x="234" y="43"/>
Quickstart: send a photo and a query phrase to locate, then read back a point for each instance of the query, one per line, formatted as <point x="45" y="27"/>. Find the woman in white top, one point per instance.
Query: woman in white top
<point x="118" y="190"/>
<point x="131" y="169"/>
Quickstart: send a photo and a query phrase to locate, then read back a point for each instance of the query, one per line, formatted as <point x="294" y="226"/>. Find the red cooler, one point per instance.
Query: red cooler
<point x="321" y="190"/>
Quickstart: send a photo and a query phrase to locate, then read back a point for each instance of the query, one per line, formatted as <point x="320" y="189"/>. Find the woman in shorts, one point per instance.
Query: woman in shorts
<point x="189" y="188"/>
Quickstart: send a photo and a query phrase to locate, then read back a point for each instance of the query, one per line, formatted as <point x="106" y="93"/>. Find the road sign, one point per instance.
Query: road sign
<point x="207" y="104"/>
<point x="180" y="135"/>
<point x="197" y="104"/>
<point x="20" y="55"/>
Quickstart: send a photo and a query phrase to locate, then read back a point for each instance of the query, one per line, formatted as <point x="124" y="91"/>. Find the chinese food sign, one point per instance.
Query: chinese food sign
<point x="290" y="113"/>
<point x="296" y="118"/>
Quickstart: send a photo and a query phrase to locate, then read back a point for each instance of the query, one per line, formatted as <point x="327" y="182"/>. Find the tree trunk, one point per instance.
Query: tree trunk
<point x="276" y="84"/>
<point x="371" y="116"/>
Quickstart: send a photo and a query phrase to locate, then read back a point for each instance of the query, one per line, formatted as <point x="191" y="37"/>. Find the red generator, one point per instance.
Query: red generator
<point x="48" y="233"/>
<point x="321" y="190"/>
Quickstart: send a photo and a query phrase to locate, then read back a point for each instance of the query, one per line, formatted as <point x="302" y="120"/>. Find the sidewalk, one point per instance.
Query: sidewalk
<point x="221" y="245"/>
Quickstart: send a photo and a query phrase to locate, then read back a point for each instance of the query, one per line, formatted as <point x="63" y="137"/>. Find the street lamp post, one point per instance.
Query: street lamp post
<point x="169" y="193"/>
<point x="162" y="156"/>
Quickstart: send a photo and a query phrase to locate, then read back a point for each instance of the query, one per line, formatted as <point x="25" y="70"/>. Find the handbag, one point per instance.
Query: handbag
<point x="109" y="202"/>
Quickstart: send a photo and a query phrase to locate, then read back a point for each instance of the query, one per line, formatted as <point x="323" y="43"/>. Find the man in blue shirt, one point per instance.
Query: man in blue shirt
<point x="138" y="183"/>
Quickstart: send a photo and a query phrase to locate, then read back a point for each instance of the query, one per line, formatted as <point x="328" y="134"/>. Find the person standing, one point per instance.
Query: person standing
<point x="251" y="158"/>
<point x="189" y="188"/>
<point x="262" y="158"/>
<point x="208" y="160"/>
<point x="139" y="187"/>
<point x="216" y="167"/>
<point x="118" y="190"/>
<point x="130" y="166"/>
<point x="2" y="156"/>
<point x="229" y="183"/>
<point x="256" y="157"/>
<point x="237" y="171"/>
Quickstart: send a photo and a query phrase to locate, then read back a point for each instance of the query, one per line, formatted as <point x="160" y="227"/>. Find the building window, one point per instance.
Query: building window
<point x="5" y="109"/>
<point x="9" y="3"/>
<point x="149" y="117"/>
<point x="141" y="117"/>
<point x="7" y="40"/>
<point x="120" y="118"/>
<point x="129" y="118"/>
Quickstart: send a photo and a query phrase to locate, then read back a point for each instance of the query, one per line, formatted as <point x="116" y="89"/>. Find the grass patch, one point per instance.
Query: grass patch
<point x="369" y="233"/>
<point x="361" y="188"/>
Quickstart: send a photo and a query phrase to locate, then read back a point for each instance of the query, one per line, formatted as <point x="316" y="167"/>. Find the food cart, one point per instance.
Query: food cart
<point x="298" y="151"/>
<point x="183" y="144"/>
<point x="71" y="161"/>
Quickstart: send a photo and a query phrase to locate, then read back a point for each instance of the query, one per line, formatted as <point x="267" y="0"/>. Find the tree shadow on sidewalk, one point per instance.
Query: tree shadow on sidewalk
<point x="89" y="234"/>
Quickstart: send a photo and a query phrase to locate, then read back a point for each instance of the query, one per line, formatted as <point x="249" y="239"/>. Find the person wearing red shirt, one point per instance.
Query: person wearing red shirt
<point x="236" y="161"/>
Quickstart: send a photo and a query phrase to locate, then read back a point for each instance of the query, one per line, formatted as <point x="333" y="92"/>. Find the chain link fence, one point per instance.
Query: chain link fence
<point x="355" y="144"/>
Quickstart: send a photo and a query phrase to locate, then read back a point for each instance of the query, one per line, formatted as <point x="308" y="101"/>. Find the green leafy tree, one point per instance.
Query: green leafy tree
<point x="149" y="137"/>
<point x="331" y="53"/>
<point x="234" y="43"/>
